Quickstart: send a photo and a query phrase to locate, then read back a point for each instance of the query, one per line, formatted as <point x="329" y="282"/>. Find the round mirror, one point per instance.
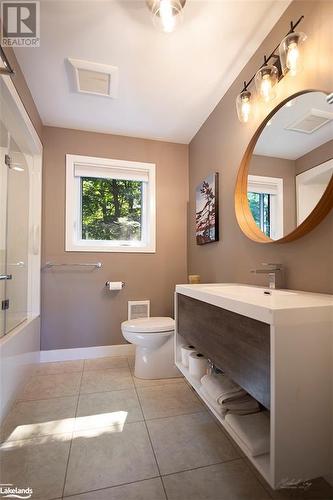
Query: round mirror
<point x="285" y="182"/>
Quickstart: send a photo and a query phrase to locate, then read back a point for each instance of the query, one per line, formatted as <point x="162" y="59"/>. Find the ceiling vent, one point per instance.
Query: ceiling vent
<point x="312" y="121"/>
<point x="95" y="78"/>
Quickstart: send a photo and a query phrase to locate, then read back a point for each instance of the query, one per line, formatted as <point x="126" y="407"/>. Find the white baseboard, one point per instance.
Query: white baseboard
<point x="87" y="353"/>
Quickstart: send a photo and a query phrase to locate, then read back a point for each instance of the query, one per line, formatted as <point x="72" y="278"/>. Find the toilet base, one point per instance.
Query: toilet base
<point x="156" y="363"/>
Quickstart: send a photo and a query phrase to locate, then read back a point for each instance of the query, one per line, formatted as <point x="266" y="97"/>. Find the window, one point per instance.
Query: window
<point x="110" y="205"/>
<point x="260" y="206"/>
<point x="265" y="197"/>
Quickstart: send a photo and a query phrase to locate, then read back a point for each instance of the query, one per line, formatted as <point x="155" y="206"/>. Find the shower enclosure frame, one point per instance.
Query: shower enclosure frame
<point x="20" y="347"/>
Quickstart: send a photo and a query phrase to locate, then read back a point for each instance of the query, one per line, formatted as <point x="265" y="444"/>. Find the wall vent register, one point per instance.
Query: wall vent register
<point x="138" y="309"/>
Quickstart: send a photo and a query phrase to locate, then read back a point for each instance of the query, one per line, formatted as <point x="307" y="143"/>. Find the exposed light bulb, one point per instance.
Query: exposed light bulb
<point x="246" y="109"/>
<point x="292" y="58"/>
<point x="167" y="17"/>
<point x="244" y="106"/>
<point x="266" y="87"/>
<point x="166" y="13"/>
<point x="290" y="51"/>
<point x="266" y="78"/>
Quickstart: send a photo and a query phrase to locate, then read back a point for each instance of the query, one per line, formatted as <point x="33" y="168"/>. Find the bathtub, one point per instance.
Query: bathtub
<point x="19" y="355"/>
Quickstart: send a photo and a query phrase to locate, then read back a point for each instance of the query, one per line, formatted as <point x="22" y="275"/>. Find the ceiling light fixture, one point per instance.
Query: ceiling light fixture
<point x="166" y="13"/>
<point x="285" y="58"/>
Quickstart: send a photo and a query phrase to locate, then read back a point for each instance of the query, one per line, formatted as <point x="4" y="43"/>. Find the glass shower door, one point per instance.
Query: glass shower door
<point x="17" y="236"/>
<point x="3" y="224"/>
<point x="15" y="163"/>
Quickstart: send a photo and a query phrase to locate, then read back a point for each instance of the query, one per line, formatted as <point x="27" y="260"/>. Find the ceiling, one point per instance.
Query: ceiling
<point x="278" y="142"/>
<point x="168" y="83"/>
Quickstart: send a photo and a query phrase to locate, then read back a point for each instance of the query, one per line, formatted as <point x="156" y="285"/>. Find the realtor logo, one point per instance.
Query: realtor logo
<point x="20" y="24"/>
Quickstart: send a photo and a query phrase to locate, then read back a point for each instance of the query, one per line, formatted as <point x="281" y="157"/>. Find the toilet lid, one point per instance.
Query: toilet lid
<point x="149" y="325"/>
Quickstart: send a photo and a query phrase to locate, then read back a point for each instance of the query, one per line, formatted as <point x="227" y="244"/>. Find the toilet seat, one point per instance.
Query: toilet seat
<point x="149" y="325"/>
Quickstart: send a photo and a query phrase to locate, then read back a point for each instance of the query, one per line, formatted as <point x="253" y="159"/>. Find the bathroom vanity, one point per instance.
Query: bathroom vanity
<point x="268" y="342"/>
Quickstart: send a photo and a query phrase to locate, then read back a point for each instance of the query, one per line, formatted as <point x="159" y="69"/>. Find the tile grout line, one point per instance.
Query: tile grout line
<point x="106" y="425"/>
<point x="234" y="445"/>
<point x="202" y="411"/>
<point x="71" y="395"/>
<point x="147" y="430"/>
<point x="108" y="487"/>
<point x="154" y="477"/>
<point x="70" y="446"/>
<point x="145" y="420"/>
<point x="202" y="467"/>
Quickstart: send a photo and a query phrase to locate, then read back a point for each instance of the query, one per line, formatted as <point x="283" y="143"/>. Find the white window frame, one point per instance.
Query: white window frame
<point x="270" y="185"/>
<point x="310" y="188"/>
<point x="74" y="242"/>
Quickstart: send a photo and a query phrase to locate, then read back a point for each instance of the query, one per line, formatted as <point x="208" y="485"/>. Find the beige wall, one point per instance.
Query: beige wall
<point x="220" y="145"/>
<point x="77" y="311"/>
<point x="284" y="169"/>
<point x="315" y="157"/>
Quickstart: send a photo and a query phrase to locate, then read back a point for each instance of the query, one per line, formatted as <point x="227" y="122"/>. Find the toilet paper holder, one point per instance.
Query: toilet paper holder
<point x="108" y="283"/>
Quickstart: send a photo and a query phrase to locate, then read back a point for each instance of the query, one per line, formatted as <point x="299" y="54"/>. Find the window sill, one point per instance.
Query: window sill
<point x="110" y="249"/>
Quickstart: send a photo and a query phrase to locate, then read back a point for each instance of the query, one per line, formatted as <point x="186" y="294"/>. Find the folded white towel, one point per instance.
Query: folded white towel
<point x="241" y="406"/>
<point x="252" y="430"/>
<point x="218" y="408"/>
<point x="221" y="388"/>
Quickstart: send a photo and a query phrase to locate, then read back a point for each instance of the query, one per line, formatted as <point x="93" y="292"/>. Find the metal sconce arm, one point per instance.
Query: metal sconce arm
<point x="274" y="55"/>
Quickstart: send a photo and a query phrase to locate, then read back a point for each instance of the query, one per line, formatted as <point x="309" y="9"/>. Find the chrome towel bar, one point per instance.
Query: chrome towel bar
<point x="97" y="265"/>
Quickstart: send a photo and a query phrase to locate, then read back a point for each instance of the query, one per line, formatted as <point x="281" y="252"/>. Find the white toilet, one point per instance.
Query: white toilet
<point x="154" y="353"/>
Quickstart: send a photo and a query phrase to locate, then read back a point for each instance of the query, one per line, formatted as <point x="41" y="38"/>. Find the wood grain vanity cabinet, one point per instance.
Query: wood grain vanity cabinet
<point x="279" y="348"/>
<point x="239" y="345"/>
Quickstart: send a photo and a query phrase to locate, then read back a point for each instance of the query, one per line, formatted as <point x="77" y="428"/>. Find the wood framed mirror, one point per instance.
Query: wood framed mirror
<point x="284" y="186"/>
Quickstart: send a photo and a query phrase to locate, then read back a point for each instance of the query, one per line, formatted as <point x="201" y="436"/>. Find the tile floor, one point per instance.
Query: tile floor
<point x="92" y="431"/>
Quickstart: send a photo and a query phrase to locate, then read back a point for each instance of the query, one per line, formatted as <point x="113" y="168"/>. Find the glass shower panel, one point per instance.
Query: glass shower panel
<point x="17" y="235"/>
<point x="3" y="222"/>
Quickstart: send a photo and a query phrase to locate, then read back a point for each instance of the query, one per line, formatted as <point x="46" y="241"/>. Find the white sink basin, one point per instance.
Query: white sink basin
<point x="262" y="303"/>
<point x="245" y="291"/>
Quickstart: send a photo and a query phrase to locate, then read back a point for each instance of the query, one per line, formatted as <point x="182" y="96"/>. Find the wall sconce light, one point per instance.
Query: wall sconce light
<point x="266" y="78"/>
<point x="290" y="51"/>
<point x="166" y="13"/>
<point x="244" y="105"/>
<point x="285" y="58"/>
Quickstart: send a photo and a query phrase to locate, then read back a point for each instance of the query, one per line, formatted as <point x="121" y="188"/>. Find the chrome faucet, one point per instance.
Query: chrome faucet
<point x="274" y="272"/>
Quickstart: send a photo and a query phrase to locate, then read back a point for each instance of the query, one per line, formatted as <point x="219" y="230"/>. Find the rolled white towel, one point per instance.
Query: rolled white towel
<point x="221" y="388"/>
<point x="252" y="430"/>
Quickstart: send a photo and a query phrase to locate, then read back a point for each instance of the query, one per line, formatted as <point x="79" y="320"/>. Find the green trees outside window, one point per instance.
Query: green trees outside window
<point x="111" y="209"/>
<point x="260" y="206"/>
